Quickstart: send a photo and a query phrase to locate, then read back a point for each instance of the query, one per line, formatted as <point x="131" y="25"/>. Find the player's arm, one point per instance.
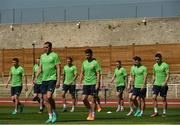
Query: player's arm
<point x="144" y="81"/>
<point x="33" y="77"/>
<point x="38" y="73"/>
<point x="98" y="79"/>
<point x="58" y="72"/>
<point x="81" y="76"/>
<point x="75" y="76"/>
<point x="126" y="81"/>
<point x="9" y="79"/>
<point x="153" y="76"/>
<point x="167" y="76"/>
<point x="131" y="81"/>
<point x="101" y="81"/>
<point x="112" y="79"/>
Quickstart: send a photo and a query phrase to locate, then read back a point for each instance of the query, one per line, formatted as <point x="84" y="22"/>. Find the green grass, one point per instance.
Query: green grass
<point x="30" y="116"/>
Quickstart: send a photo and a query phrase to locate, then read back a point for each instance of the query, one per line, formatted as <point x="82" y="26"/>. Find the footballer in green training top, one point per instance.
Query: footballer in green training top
<point x="120" y="81"/>
<point x="16" y="75"/>
<point x="38" y="86"/>
<point x="139" y="77"/>
<point x="69" y="83"/>
<point x="50" y="68"/>
<point x="160" y="79"/>
<point x="90" y="72"/>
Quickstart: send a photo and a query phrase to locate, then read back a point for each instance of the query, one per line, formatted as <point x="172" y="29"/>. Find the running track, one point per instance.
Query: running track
<point x="8" y="102"/>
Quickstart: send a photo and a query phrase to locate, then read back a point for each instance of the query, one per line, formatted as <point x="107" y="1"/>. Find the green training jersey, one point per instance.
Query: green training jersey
<point x="139" y="73"/>
<point x="69" y="72"/>
<point x="17" y="74"/>
<point x="160" y="72"/>
<point x="90" y="69"/>
<point x="120" y="75"/>
<point x="35" y="69"/>
<point x="49" y="62"/>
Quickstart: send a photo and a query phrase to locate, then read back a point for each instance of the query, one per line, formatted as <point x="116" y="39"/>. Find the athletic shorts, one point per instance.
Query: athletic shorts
<point x="138" y="92"/>
<point x="70" y="88"/>
<point x="160" y="89"/>
<point x="120" y="89"/>
<point x="37" y="88"/>
<point x="48" y="86"/>
<point x="16" y="90"/>
<point x="89" y="89"/>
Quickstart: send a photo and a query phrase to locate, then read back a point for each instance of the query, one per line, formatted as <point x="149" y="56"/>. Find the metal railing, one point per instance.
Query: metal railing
<point x="90" y="12"/>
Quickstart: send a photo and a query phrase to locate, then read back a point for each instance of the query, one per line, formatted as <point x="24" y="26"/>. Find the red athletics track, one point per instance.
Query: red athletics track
<point x="171" y="102"/>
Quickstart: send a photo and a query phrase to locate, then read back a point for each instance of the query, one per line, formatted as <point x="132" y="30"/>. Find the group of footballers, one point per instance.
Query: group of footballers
<point x="46" y="77"/>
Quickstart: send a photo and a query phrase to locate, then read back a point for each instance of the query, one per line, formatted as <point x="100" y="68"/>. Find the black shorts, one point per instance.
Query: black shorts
<point x="89" y="89"/>
<point x="140" y="93"/>
<point x="16" y="90"/>
<point x="70" y="88"/>
<point x="37" y="88"/>
<point x="48" y="86"/>
<point x="160" y="89"/>
<point x="120" y="89"/>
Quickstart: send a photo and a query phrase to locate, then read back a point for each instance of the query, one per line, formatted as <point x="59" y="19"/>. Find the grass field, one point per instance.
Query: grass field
<point x="30" y="116"/>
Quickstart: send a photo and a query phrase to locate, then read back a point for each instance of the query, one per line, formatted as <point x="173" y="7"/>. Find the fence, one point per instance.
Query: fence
<point x="106" y="55"/>
<point x="91" y="11"/>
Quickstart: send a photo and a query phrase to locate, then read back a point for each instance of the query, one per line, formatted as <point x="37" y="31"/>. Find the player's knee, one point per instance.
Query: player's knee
<point x="154" y="98"/>
<point x="73" y="96"/>
<point x="50" y="100"/>
<point x="85" y="99"/>
<point x="164" y="99"/>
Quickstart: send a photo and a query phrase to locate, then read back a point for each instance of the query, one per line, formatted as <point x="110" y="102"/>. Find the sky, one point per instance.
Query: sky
<point x="17" y="4"/>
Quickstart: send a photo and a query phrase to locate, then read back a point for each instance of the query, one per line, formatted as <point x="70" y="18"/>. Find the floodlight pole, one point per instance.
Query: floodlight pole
<point x="33" y="50"/>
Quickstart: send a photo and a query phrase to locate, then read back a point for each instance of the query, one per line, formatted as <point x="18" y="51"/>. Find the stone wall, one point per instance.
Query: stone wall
<point x="92" y="33"/>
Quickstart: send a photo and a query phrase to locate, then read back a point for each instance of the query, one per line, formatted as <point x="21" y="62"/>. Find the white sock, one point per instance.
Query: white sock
<point x="164" y="111"/>
<point x="73" y="107"/>
<point x="15" y="110"/>
<point x="93" y="114"/>
<point x="131" y="108"/>
<point x="119" y="106"/>
<point x="155" y="110"/>
<point x="64" y="105"/>
<point x="122" y="107"/>
<point x="50" y="115"/>
<point x="142" y="112"/>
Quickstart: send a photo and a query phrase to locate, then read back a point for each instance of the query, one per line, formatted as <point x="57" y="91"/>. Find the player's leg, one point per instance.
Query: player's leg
<point x="36" y="91"/>
<point x="156" y="90"/>
<point x="136" y="100"/>
<point x="142" y="97"/>
<point x="118" y="96"/>
<point x="73" y="96"/>
<point x="121" y="98"/>
<point x="93" y="105"/>
<point x="97" y="101"/>
<point x="42" y="105"/>
<point x="51" y="101"/>
<point x="64" y="91"/>
<point x="130" y="104"/>
<point x="163" y="94"/>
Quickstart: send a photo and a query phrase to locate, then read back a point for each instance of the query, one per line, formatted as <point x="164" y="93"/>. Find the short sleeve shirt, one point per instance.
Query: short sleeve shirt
<point x="49" y="62"/>
<point x="139" y="73"/>
<point x="69" y="72"/>
<point x="90" y="69"/>
<point x="160" y="72"/>
<point x="120" y="75"/>
<point x="17" y="74"/>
